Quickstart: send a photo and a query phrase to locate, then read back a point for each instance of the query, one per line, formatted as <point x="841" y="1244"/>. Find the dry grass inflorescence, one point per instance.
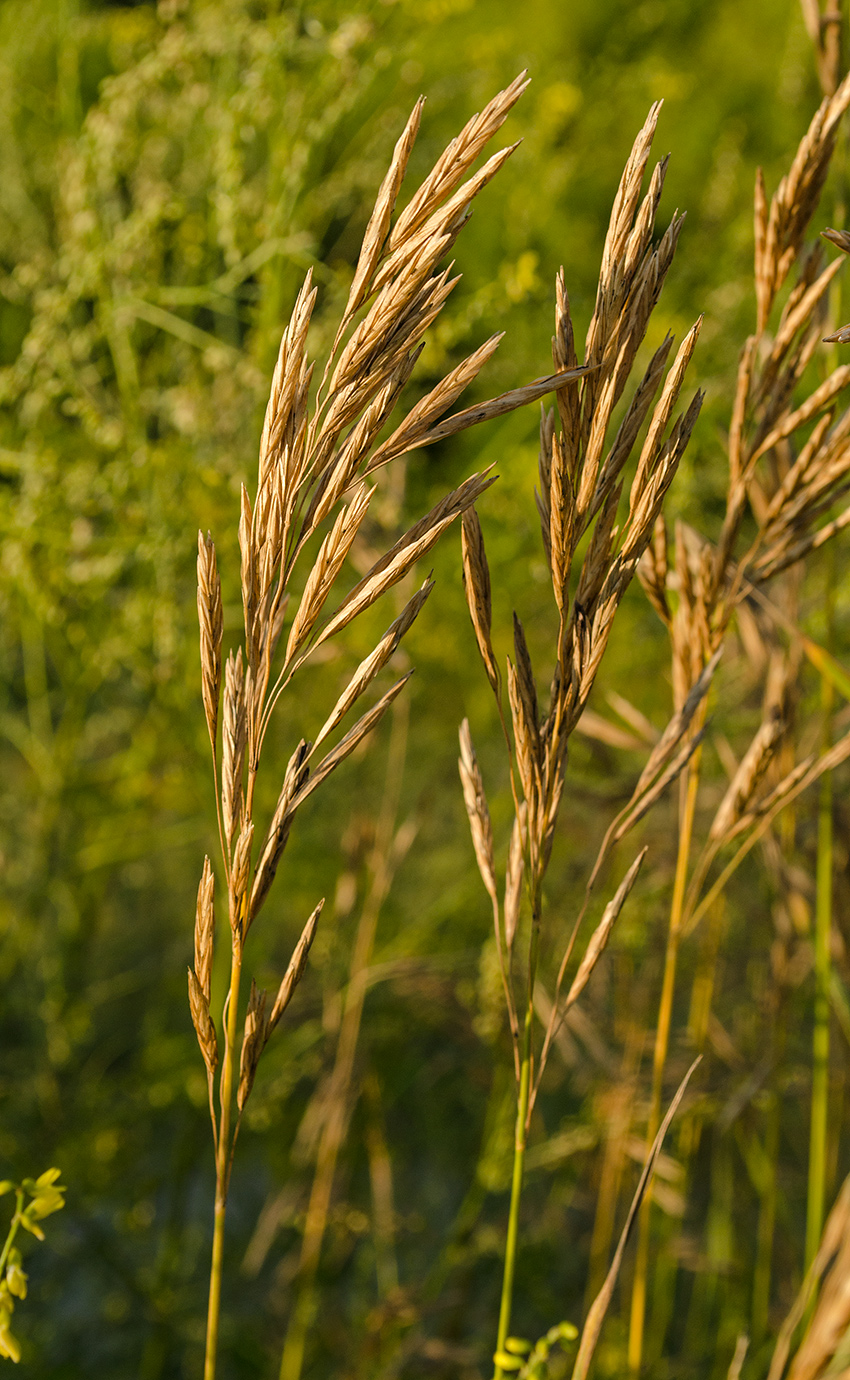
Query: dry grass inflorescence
<point x="788" y="465"/>
<point x="318" y="450"/>
<point x="609" y="452"/>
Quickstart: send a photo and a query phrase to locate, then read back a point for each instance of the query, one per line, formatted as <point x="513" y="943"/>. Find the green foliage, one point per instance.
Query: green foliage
<point x="531" y="1362"/>
<point x="45" y="1197"/>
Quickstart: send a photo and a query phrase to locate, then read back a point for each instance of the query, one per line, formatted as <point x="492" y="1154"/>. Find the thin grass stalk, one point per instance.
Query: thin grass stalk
<point x="222" y="1168"/>
<point x="334" y="1129"/>
<point x="520" y="1142"/>
<point x="766" y="1225"/>
<point x="690" y="789"/>
<point x="823" y="931"/>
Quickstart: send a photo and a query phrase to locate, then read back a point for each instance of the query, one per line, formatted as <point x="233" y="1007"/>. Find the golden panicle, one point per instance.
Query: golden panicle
<point x="663" y="412"/>
<point x="476" y="808"/>
<point x="205" y="929"/>
<point x="210" y="621"/>
<point x="452" y="166"/>
<point x="779" y="241"/>
<point x="652" y="570"/>
<point x="379" y="221"/>
<point x="631" y="424"/>
<point x="234" y="734"/>
<point x="476" y="583"/>
<point x="204" y="1028"/>
<point x="563" y="524"/>
<point x="287" y="382"/>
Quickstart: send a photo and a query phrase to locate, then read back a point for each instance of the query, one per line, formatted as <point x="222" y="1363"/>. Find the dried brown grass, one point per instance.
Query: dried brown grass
<point x="319" y="445"/>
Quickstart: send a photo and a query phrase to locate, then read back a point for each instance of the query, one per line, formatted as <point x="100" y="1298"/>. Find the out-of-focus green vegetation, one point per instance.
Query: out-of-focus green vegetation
<point x="167" y="176"/>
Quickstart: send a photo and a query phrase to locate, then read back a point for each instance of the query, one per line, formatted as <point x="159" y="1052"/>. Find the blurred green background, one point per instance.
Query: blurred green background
<point x="167" y="175"/>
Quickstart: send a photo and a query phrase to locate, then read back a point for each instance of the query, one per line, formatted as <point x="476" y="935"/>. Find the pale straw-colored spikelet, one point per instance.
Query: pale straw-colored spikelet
<point x="379" y="222"/>
<point x="514" y="874"/>
<point x="454" y="163"/>
<point x="602" y="933"/>
<point x="780" y="230"/>
<point x="234" y="736"/>
<point x="410" y="548"/>
<point x="253" y="1040"/>
<point x="652" y="570"/>
<point x="476" y="583"/>
<point x="525" y="742"/>
<point x="326" y="567"/>
<point x="210" y="621"/>
<point x="204" y="1028"/>
<point x="476" y="808"/>
<point x="416" y="425"/>
<point x="205" y="929"/>
<point x="375" y="661"/>
<point x="239" y="874"/>
<point x="346" y="745"/>
<point x="249" y="581"/>
<point x="643" y="800"/>
<point x="297" y="771"/>
<point x="753" y="765"/>
<point x="525" y="683"/>
<point x="295" y="970"/>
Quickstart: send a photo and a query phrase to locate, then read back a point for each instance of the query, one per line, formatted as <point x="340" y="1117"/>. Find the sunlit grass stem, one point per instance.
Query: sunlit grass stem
<point x="222" y="1167"/>
<point x="662" y="1042"/>
<point x="520" y="1142"/>
<point x="823" y="932"/>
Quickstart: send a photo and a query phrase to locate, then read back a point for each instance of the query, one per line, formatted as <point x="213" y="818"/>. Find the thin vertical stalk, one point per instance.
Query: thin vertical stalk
<point x="222" y="1166"/>
<point x="336" y="1123"/>
<point x="662" y="1041"/>
<point x="520" y="1140"/>
<point x="823" y="931"/>
<point x="766" y="1225"/>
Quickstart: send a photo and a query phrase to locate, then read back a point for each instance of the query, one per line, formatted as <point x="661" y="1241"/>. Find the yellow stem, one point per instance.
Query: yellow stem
<point x="662" y="1041"/>
<point x="222" y="1161"/>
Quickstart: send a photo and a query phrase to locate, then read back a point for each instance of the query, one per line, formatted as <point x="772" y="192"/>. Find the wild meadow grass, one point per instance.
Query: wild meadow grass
<point x="782" y="480"/>
<point x="541" y="1072"/>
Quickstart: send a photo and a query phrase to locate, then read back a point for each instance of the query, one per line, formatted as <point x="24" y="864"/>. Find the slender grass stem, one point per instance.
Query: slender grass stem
<point x="766" y="1225"/>
<point x="222" y="1165"/>
<point x="662" y="1041"/>
<point x="523" y="1114"/>
<point x="520" y="1142"/>
<point x="820" y="1041"/>
<point x="343" y="1074"/>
